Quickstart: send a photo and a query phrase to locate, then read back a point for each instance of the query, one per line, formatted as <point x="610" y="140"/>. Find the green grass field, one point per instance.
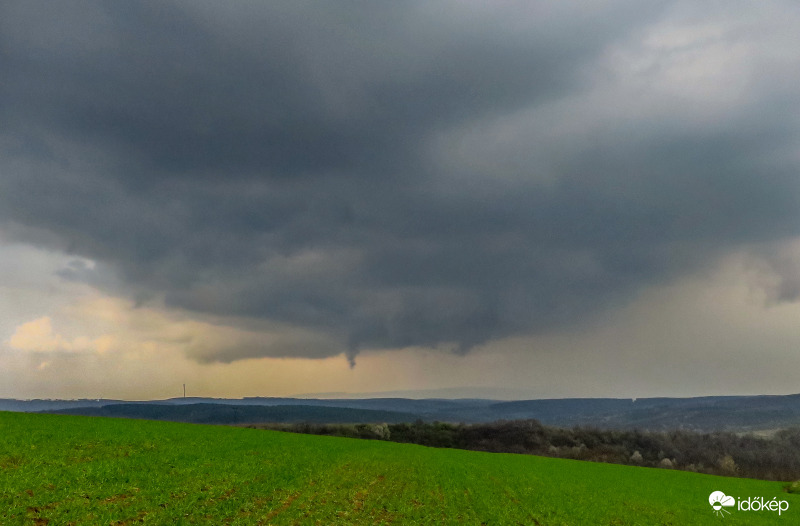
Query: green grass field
<point x="61" y="470"/>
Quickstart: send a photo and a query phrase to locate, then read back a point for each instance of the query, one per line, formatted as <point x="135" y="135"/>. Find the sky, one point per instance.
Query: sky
<point x="509" y="199"/>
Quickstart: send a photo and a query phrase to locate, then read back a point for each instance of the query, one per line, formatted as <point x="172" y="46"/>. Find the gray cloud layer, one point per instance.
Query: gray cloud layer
<point x="413" y="174"/>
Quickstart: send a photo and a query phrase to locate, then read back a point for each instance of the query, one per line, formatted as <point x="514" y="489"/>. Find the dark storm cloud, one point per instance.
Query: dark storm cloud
<point x="285" y="91"/>
<point x="286" y="162"/>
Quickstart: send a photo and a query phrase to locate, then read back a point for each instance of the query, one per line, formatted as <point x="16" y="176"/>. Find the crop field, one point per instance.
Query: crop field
<point x="62" y="470"/>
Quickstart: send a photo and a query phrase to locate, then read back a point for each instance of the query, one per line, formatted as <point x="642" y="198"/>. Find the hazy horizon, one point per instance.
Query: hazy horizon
<point x="454" y="393"/>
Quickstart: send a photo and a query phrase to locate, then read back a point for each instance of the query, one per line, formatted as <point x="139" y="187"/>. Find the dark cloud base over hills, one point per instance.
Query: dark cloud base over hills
<point x="311" y="166"/>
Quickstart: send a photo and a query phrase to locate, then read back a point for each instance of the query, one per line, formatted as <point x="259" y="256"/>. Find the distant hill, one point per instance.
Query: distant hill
<point x="719" y="413"/>
<point x="238" y="414"/>
<point x="29" y="406"/>
<point x="714" y="413"/>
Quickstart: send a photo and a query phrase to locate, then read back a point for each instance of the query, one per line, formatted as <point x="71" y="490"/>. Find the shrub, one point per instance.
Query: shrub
<point x="727" y="465"/>
<point x="794" y="487"/>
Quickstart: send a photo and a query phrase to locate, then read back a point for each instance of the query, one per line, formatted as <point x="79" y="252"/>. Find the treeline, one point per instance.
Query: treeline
<point x="776" y="457"/>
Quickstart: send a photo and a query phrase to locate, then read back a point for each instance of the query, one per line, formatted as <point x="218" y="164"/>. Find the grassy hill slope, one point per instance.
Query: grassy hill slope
<point x="83" y="470"/>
